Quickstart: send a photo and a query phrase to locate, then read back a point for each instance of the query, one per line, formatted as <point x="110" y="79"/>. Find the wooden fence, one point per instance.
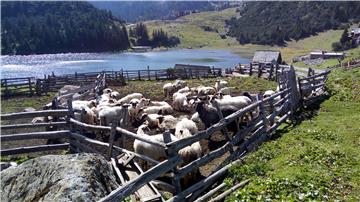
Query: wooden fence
<point x="281" y="105"/>
<point x="18" y="86"/>
<point x="269" y="72"/>
<point x="52" y="83"/>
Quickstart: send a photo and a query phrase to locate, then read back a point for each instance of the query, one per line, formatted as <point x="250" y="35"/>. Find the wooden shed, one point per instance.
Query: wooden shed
<point x="194" y="70"/>
<point x="267" y="57"/>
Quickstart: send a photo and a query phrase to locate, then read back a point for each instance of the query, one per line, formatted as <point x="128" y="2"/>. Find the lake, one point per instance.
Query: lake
<point x="38" y="65"/>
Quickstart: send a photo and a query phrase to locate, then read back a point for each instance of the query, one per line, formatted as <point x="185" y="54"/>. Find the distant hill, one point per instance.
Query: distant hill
<point x="55" y="27"/>
<point x="273" y="23"/>
<point x="133" y="11"/>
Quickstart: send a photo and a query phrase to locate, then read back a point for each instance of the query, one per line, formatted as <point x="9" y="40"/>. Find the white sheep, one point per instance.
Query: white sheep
<point x="205" y="90"/>
<point x="180" y="102"/>
<point x="89" y="116"/>
<point x="195" y="117"/>
<point x="168" y="88"/>
<point x="107" y="91"/>
<point x="115" y="95"/>
<point x="184" y="90"/>
<point x="90" y="104"/>
<point x="183" y="124"/>
<point x="108" y="114"/>
<point x="158" y="103"/>
<point x="225" y="91"/>
<point x="237" y="102"/>
<point x="167" y="122"/>
<point x="129" y="97"/>
<point x="153" y="151"/>
<point x="151" y="120"/>
<point x="220" y="84"/>
<point x="157" y="110"/>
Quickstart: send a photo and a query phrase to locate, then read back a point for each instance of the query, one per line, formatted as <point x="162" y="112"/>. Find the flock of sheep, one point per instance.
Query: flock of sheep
<point x="152" y="118"/>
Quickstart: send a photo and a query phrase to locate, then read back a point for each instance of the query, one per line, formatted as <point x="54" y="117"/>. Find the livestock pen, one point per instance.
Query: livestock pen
<point x="237" y="145"/>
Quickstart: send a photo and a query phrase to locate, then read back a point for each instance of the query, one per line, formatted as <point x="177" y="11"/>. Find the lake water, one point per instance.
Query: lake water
<point x="38" y="65"/>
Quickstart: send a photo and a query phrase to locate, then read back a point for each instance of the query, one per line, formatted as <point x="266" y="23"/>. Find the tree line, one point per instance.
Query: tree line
<point x="139" y="36"/>
<point x="275" y="23"/>
<point x="57" y="27"/>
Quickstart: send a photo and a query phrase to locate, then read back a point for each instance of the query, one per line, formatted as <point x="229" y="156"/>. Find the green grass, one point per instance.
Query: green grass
<point x="19" y="103"/>
<point x="188" y="29"/>
<point x="154" y="91"/>
<point x="318" y="159"/>
<point x="327" y="63"/>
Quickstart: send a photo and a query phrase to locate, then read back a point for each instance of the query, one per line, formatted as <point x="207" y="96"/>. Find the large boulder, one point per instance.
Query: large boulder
<point x="75" y="177"/>
<point x="67" y="88"/>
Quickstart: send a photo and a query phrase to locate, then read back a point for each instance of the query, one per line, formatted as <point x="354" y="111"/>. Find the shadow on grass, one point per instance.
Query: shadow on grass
<point x="305" y="112"/>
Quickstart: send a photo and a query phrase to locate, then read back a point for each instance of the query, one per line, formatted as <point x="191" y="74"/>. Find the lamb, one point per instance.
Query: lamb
<point x="89" y="116"/>
<point x="167" y="122"/>
<point x="185" y="123"/>
<point x="220" y="84"/>
<point x="153" y="151"/>
<point x="151" y="120"/>
<point x="225" y="91"/>
<point x="184" y="90"/>
<point x="115" y="95"/>
<point x="203" y="90"/>
<point x="195" y="117"/>
<point x="180" y="102"/>
<point x="129" y="97"/>
<point x="107" y="114"/>
<point x="158" y="103"/>
<point x="180" y="83"/>
<point x="107" y="91"/>
<point x="157" y="110"/>
<point x="186" y="128"/>
<point x="168" y="88"/>
<point x="90" y="104"/>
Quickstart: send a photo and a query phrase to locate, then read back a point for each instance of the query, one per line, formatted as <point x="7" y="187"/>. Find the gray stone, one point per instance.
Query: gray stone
<point x="75" y="177"/>
<point x="29" y="109"/>
<point x="67" y="88"/>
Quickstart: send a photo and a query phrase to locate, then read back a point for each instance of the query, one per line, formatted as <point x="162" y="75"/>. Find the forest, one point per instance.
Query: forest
<point x="53" y="27"/>
<point x="274" y="23"/>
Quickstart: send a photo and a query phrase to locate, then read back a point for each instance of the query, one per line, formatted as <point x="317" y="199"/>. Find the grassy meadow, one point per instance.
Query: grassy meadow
<point x="188" y="29"/>
<point x="317" y="158"/>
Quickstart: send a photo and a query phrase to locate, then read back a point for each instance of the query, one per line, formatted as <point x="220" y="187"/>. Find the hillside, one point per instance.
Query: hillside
<point x="56" y="27"/>
<point x="272" y="22"/>
<point x="133" y="11"/>
<point x="191" y="33"/>
<point x="315" y="159"/>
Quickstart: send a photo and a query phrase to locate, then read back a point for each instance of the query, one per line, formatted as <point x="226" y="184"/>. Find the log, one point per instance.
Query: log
<point x="22" y="115"/>
<point x="316" y="75"/>
<point x="22" y="150"/>
<point x="33" y="125"/>
<point x="117" y="171"/>
<point x="118" y="129"/>
<point x="229" y="191"/>
<point x="163" y="186"/>
<point x="202" y="183"/>
<point x="130" y="187"/>
<point x="279" y="122"/>
<point x="203" y="160"/>
<point x="211" y="193"/>
<point x="36" y="135"/>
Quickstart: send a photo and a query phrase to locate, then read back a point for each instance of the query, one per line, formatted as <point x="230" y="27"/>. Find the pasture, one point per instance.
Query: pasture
<point x="315" y="158"/>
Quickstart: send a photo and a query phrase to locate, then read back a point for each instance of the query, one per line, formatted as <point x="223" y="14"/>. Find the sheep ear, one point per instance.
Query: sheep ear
<point x="181" y="131"/>
<point x="161" y="119"/>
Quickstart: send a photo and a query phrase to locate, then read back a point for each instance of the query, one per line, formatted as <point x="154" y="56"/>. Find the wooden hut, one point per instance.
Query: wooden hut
<point x="267" y="57"/>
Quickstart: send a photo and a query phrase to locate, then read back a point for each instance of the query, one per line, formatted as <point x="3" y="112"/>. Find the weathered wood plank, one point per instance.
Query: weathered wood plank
<point x="22" y="115"/>
<point x="36" y="135"/>
<point x="229" y="191"/>
<point x="22" y="150"/>
<point x="33" y="125"/>
<point x="133" y="185"/>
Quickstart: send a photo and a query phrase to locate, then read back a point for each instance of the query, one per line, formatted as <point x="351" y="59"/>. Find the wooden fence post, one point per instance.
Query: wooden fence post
<point x="6" y="87"/>
<point x="148" y="70"/>
<point x="271" y="72"/>
<point x="71" y="126"/>
<point x="300" y="92"/>
<point x="156" y="76"/>
<point x="30" y="87"/>
<point x="175" y="180"/>
<point x="127" y="75"/>
<point x="251" y="68"/>
<point x="112" y="136"/>
<point x="38" y="87"/>
<point x="139" y="76"/>
<point x="259" y="70"/>
<point x="276" y="72"/>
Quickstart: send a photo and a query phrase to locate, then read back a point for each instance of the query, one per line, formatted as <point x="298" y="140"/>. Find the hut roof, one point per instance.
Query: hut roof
<point x="266" y="56"/>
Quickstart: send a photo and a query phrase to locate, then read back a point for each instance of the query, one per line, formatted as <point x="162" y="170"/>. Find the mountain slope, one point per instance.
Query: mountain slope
<point x="55" y="27"/>
<point x="158" y="10"/>
<point x="276" y="22"/>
